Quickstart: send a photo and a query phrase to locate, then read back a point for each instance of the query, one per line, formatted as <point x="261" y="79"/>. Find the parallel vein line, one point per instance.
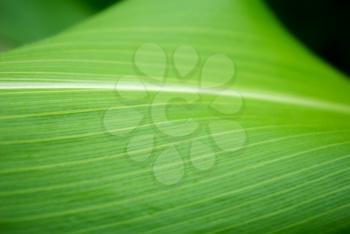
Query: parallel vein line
<point x="289" y="208"/>
<point x="256" y="200"/>
<point x="275" y="179"/>
<point x="313" y="217"/>
<point x="102" y="206"/>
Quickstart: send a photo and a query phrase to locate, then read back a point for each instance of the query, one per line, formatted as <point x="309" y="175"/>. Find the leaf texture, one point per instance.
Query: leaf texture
<point x="77" y="109"/>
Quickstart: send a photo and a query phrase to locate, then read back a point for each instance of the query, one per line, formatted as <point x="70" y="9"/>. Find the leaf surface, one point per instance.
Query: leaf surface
<point x="277" y="162"/>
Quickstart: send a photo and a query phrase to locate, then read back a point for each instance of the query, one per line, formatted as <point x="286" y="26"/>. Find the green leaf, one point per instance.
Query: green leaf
<point x="252" y="138"/>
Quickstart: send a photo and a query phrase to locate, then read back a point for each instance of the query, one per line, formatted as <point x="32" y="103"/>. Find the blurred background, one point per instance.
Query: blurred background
<point x="322" y="25"/>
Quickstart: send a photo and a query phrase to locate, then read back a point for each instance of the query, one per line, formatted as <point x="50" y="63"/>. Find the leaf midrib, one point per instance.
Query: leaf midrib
<point x="141" y="87"/>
